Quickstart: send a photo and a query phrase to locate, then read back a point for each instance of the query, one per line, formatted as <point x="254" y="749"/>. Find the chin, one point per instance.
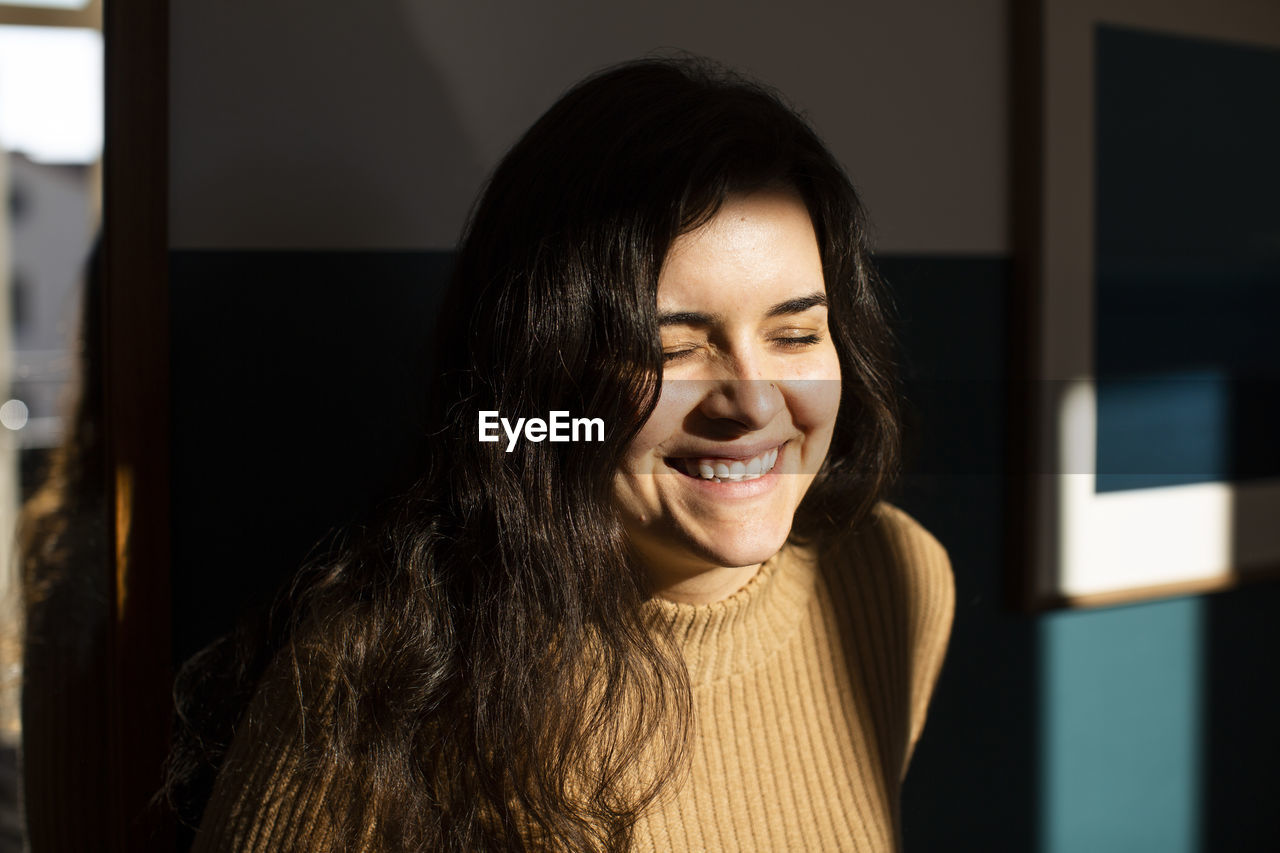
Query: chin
<point x="742" y="551"/>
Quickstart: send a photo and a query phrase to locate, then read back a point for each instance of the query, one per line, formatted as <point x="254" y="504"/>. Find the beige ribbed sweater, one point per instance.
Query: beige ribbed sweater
<point x="810" y="683"/>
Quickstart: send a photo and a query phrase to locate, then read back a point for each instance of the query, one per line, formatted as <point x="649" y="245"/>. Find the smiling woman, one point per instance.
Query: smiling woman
<point x="704" y="632"/>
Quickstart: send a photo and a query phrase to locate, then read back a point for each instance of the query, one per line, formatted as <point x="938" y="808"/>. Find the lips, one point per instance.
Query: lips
<point x="720" y="469"/>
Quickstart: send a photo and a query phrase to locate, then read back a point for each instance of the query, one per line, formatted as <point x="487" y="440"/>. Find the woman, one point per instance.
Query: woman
<point x="703" y="631"/>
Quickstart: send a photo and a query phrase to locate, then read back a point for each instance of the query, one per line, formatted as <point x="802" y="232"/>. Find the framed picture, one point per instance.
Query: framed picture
<point x="1146" y="363"/>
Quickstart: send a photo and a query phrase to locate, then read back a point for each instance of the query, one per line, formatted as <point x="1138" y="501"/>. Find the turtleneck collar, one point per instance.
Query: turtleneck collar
<point x="748" y="627"/>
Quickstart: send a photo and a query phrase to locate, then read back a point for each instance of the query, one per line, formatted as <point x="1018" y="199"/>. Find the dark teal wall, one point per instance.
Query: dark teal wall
<point x="1149" y="728"/>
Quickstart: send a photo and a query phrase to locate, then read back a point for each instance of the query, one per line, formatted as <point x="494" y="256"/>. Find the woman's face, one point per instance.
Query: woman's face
<point x="750" y="391"/>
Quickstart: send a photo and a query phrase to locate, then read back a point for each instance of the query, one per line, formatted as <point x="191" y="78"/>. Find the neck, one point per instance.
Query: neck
<point x="701" y="587"/>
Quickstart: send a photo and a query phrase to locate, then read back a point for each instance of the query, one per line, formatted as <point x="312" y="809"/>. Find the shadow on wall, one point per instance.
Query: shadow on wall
<point x="300" y="421"/>
<point x="1240" y="695"/>
<point x="974" y="783"/>
<point x="289" y="144"/>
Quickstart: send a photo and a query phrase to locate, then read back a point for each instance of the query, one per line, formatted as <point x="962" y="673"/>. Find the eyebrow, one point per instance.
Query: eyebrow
<point x="697" y="318"/>
<point x="798" y="305"/>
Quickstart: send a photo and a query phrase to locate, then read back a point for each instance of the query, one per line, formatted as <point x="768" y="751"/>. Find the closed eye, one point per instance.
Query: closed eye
<point x="797" y="341"/>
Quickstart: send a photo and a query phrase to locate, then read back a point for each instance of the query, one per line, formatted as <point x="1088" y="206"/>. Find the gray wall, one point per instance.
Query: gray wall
<point x="336" y="124"/>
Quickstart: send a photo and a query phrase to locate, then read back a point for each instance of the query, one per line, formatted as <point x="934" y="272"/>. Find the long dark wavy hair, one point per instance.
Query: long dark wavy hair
<point x="480" y="668"/>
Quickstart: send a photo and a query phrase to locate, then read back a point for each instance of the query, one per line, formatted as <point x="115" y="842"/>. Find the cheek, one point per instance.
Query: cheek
<point x="816" y="402"/>
<point x="815" y="415"/>
<point x="664" y="424"/>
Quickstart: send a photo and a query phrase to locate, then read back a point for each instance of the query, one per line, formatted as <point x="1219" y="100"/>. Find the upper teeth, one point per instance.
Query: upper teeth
<point x="721" y="470"/>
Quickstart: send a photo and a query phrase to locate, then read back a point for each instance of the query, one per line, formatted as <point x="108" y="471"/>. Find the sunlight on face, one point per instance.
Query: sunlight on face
<point x="750" y="391"/>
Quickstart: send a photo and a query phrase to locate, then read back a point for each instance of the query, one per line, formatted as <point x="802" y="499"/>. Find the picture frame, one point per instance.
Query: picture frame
<point x="1089" y="525"/>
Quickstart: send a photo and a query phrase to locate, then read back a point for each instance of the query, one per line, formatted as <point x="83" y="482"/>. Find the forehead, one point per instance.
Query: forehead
<point x="760" y="246"/>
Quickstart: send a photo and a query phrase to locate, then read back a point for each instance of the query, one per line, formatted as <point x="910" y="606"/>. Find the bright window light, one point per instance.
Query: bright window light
<point x="51" y="93"/>
<point x="47" y="4"/>
<point x="14" y="414"/>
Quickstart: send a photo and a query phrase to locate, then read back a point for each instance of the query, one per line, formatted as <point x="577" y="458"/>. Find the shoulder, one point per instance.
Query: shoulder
<point x="271" y="793"/>
<point x="893" y="578"/>
<point x="918" y="556"/>
<point x="919" y="570"/>
<point x="892" y="549"/>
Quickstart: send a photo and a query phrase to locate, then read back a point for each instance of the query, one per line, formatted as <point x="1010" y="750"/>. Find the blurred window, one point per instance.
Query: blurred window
<point x="51" y="127"/>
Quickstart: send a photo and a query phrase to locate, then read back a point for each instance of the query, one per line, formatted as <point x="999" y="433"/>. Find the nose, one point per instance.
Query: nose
<point x="743" y="395"/>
